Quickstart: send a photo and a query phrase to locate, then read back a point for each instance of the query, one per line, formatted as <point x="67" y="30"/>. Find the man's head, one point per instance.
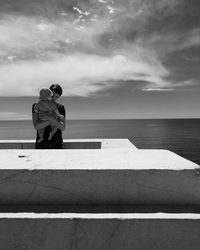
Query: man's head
<point x="57" y="91"/>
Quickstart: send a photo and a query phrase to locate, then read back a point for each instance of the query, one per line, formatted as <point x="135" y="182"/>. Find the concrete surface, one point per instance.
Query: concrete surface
<point x="97" y="177"/>
<point x="118" y="159"/>
<point x="106" y="232"/>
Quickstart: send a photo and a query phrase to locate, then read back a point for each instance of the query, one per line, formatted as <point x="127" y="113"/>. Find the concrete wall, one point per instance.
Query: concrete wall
<point x="95" y="234"/>
<point x="71" y="144"/>
<point x="66" y="145"/>
<point x="100" y="187"/>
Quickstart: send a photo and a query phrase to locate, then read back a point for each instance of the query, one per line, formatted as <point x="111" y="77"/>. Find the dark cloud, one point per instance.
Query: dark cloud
<point x="120" y="88"/>
<point x="183" y="66"/>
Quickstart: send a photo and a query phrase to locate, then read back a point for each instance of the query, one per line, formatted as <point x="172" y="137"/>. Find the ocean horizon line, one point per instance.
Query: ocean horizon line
<point x="98" y="119"/>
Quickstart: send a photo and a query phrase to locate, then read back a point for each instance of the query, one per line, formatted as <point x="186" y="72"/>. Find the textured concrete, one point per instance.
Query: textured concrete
<point x="97" y="177"/>
<point x="112" y="187"/>
<point x="116" y="233"/>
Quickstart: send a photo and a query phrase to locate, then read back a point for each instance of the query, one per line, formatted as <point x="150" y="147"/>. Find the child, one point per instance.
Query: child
<point x="46" y="104"/>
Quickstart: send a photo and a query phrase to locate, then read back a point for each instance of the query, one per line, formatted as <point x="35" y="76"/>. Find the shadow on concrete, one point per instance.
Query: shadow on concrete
<point x="10" y="208"/>
<point x="66" y="145"/>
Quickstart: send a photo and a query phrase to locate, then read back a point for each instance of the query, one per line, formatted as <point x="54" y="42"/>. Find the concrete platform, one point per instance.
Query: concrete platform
<point x="100" y="231"/>
<point x="98" y="177"/>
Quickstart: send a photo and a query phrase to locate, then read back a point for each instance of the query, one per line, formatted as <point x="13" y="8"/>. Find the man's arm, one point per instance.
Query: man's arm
<point x="37" y="123"/>
<point x="61" y="118"/>
<point x="60" y="124"/>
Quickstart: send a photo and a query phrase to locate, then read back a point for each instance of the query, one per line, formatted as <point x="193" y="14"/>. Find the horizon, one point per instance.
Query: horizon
<point x="107" y="119"/>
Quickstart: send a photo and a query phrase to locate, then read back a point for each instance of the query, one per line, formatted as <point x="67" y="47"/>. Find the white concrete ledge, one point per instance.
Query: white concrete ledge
<point x="103" y="216"/>
<point x="119" y="159"/>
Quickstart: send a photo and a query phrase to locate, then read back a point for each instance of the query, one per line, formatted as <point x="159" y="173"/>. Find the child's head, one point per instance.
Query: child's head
<point x="45" y="94"/>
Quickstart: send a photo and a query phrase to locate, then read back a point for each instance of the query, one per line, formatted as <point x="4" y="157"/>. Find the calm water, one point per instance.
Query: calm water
<point x="178" y="135"/>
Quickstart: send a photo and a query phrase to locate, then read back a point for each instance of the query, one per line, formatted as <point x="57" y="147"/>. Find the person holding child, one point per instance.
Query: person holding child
<point x="48" y="118"/>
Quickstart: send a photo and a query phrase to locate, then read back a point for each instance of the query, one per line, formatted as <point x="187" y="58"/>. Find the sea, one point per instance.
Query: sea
<point x="181" y="136"/>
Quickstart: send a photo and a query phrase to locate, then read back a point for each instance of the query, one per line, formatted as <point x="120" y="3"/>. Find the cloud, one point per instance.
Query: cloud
<point x="186" y="83"/>
<point x="192" y="58"/>
<point x="37" y="51"/>
<point x="193" y="38"/>
<point x="87" y="46"/>
<point x="157" y="89"/>
<point x="34" y="36"/>
<point x="160" y="26"/>
<point x="79" y="74"/>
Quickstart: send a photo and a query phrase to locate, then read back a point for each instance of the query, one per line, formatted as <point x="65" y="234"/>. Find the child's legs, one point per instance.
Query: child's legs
<point x="41" y="134"/>
<point x="53" y="131"/>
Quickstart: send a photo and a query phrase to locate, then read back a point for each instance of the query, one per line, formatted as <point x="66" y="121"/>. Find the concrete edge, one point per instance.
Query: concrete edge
<point x="69" y="140"/>
<point x="121" y="216"/>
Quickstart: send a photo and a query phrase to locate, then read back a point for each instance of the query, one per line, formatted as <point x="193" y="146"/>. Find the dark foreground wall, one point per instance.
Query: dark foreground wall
<point x="99" y="234"/>
<point x="99" y="187"/>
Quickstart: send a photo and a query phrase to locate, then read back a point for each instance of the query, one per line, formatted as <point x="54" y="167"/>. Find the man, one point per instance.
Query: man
<point x="45" y="121"/>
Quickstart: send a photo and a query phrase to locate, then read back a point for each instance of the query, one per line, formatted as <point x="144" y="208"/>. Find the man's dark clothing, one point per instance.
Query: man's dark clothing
<point x="56" y="142"/>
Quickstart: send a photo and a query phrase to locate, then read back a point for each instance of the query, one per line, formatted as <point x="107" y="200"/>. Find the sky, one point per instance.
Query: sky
<point x="113" y="58"/>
